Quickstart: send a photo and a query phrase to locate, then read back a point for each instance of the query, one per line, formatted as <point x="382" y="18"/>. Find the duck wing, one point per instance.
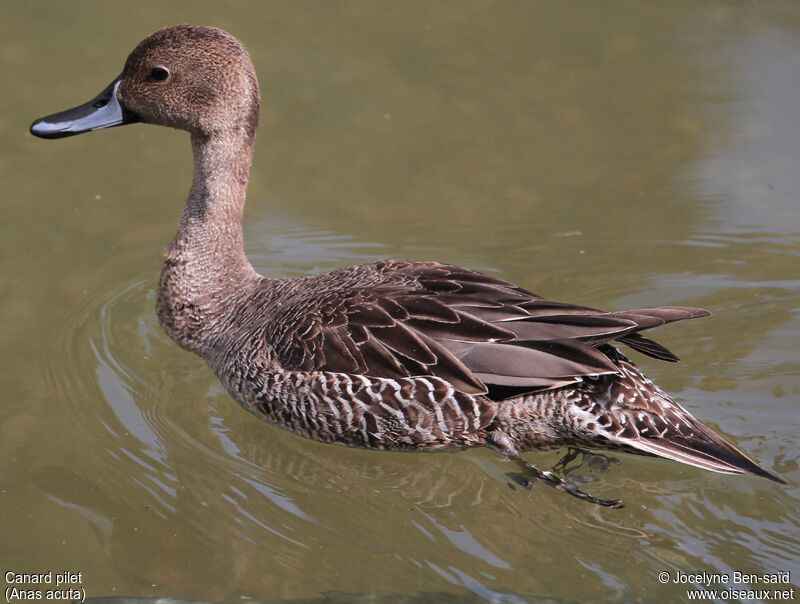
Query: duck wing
<point x="397" y="319"/>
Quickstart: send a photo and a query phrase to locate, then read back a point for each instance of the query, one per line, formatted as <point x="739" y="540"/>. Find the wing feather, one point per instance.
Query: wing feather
<point x="397" y="319"/>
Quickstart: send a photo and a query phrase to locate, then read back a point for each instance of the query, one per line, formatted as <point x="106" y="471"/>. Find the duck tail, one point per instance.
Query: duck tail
<point x="703" y="449"/>
<point x="638" y="416"/>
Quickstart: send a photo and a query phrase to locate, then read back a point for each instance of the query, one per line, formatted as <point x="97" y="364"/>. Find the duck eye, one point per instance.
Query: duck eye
<point x="159" y="74"/>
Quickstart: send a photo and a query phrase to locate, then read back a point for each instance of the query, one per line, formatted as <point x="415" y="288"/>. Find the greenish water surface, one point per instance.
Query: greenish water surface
<point x="614" y="155"/>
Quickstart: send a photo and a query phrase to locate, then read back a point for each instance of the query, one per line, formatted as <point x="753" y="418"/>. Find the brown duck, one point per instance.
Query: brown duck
<point x="390" y="355"/>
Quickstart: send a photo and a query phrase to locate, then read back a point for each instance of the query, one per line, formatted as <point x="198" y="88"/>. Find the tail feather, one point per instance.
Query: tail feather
<point x="717" y="456"/>
<point x="633" y="413"/>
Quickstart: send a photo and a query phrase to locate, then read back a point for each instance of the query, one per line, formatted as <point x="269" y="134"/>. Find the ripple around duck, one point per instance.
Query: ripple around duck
<point x="122" y="385"/>
<point x="100" y="355"/>
<point x="159" y="434"/>
<point x="163" y="436"/>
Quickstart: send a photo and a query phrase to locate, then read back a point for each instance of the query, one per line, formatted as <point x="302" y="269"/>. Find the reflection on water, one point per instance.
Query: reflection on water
<point x="617" y="159"/>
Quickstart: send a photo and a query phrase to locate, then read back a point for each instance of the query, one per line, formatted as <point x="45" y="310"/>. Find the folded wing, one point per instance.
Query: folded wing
<point x="398" y="319"/>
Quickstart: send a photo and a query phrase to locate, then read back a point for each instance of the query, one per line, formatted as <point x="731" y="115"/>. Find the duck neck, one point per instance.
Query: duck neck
<point x="206" y="270"/>
<point x="211" y="225"/>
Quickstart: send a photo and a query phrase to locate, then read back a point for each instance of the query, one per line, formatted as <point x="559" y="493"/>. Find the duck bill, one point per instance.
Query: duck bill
<point x="103" y="111"/>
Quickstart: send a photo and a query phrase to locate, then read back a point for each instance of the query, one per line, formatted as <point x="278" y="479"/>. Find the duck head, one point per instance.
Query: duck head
<point x="198" y="79"/>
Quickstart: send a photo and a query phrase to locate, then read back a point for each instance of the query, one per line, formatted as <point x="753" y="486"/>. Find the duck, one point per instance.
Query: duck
<point x="393" y="354"/>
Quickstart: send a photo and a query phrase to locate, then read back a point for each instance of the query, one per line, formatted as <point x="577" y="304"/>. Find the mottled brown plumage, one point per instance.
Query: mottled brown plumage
<point x="390" y="355"/>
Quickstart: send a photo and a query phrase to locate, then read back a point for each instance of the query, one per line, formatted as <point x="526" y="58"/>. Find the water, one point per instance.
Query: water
<point x="609" y="156"/>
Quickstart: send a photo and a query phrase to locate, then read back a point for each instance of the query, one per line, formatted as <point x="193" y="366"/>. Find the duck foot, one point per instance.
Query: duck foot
<point x="555" y="481"/>
<point x="501" y="443"/>
<point x="590" y="462"/>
